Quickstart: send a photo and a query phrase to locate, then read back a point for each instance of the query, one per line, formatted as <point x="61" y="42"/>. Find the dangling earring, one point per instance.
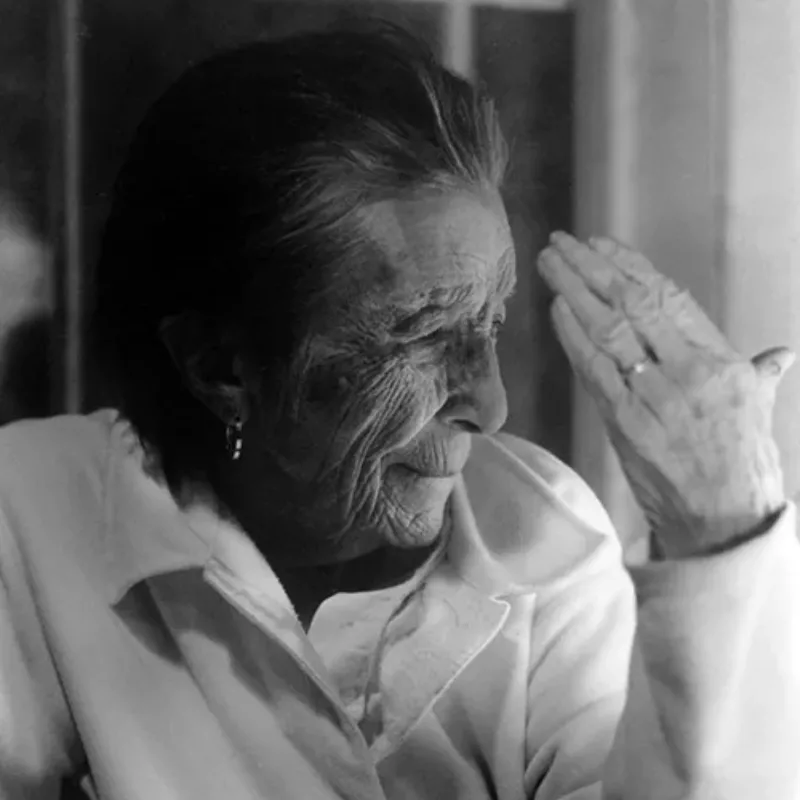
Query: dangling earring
<point x="233" y="439"/>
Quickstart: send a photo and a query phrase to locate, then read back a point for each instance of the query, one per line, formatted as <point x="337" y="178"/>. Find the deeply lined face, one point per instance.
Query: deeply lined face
<point x="399" y="372"/>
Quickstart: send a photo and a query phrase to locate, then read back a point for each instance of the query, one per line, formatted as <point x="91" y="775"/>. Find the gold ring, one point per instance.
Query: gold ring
<point x="636" y="369"/>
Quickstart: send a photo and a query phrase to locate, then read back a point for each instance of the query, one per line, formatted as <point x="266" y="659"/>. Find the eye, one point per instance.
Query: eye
<point x="436" y="336"/>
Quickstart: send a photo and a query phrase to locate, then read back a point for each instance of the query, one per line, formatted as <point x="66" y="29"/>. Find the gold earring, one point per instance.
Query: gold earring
<point x="233" y="438"/>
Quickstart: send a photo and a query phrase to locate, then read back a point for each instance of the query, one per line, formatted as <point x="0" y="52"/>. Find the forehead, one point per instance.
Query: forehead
<point x="437" y="247"/>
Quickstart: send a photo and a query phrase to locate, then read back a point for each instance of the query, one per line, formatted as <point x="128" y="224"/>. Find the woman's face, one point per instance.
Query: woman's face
<point x="398" y="373"/>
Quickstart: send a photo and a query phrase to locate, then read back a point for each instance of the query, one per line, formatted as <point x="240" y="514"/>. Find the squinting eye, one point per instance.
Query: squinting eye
<point x="434" y="337"/>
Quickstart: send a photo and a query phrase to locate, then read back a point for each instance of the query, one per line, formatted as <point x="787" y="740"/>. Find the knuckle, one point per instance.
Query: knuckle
<point x="726" y="390"/>
<point x="680" y="302"/>
<point x="649" y="300"/>
<point x="639" y="297"/>
<point x="610" y="333"/>
<point x="669" y="297"/>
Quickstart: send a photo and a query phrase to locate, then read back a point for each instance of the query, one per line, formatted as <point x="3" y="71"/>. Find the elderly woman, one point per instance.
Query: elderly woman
<point x="299" y="561"/>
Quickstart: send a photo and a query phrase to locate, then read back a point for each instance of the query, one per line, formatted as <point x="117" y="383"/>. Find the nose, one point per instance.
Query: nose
<point x="478" y="401"/>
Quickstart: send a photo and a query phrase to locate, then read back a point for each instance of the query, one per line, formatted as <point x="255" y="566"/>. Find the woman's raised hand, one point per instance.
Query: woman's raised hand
<point x="689" y="417"/>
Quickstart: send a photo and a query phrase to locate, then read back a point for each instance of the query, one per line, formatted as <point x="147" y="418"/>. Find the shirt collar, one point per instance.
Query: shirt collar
<point x="500" y="507"/>
<point x="524" y="526"/>
<point x="146" y="533"/>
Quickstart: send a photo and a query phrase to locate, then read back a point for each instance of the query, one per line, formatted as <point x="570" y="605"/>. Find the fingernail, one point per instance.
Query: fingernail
<point x="598" y="245"/>
<point x="550" y="256"/>
<point x="603" y="245"/>
<point x="557" y="236"/>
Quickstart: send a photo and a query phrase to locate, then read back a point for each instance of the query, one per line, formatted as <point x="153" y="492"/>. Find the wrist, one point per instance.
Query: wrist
<point x="714" y="536"/>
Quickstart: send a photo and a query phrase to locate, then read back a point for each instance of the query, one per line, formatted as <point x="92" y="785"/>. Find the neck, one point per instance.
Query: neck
<point x="308" y="574"/>
<point x="309" y="587"/>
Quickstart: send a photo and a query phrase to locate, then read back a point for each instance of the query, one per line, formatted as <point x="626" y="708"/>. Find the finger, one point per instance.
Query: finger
<point x="604" y="245"/>
<point x="633" y="263"/>
<point x="689" y="317"/>
<point x="666" y="324"/>
<point x="605" y="326"/>
<point x="563" y="280"/>
<point x="601" y="275"/>
<point x="640" y="301"/>
<point x="664" y="310"/>
<point x="599" y="372"/>
<point x="617" y="398"/>
<point x="637" y="288"/>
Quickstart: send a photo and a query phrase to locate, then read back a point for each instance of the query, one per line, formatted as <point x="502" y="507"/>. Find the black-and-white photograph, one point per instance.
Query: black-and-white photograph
<point x="397" y="399"/>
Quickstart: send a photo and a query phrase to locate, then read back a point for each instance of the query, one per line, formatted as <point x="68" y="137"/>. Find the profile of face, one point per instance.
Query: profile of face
<point x="398" y="372"/>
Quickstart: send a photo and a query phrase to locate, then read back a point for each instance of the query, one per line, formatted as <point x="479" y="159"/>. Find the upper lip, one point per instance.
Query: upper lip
<point x="436" y="465"/>
<point x="437" y="459"/>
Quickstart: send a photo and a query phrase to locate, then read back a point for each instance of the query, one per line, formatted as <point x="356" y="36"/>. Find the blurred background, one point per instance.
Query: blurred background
<point x="656" y="121"/>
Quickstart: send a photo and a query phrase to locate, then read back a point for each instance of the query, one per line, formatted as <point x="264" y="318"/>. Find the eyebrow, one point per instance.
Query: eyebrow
<point x="412" y="320"/>
<point x="410" y="323"/>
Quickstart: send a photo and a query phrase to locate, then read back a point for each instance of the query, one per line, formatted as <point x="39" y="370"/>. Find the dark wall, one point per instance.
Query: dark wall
<point x="27" y="133"/>
<point x="526" y="60"/>
<point x="25" y="29"/>
<point x="134" y="50"/>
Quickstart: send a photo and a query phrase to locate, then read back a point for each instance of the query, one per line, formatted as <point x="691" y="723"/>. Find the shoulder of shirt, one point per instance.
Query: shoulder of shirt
<point x="48" y="441"/>
<point x="52" y="479"/>
<point x="41" y="459"/>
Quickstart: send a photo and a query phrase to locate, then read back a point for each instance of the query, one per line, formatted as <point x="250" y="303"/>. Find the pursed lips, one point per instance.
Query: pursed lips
<point x="445" y="462"/>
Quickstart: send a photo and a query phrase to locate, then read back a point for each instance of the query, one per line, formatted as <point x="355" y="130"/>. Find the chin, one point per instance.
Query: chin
<point x="416" y="516"/>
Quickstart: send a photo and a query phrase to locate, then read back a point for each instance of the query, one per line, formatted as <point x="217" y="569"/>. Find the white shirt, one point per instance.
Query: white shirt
<point x="155" y="649"/>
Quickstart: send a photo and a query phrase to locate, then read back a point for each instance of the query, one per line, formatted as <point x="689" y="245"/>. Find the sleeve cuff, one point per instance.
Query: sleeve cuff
<point x="732" y="571"/>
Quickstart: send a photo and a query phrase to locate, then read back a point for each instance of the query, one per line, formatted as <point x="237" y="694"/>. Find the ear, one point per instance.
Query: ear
<point x="210" y="364"/>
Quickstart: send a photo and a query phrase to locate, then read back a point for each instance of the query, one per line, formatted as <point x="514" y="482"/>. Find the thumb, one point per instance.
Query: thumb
<point x="772" y="364"/>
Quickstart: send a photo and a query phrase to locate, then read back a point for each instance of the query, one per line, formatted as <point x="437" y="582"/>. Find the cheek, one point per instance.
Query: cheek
<point x="388" y="408"/>
<point x="350" y="416"/>
<point x="412" y="396"/>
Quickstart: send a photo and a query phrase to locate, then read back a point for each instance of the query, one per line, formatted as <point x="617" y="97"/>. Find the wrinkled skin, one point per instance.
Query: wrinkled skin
<point x="399" y="370"/>
<point x="693" y="429"/>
